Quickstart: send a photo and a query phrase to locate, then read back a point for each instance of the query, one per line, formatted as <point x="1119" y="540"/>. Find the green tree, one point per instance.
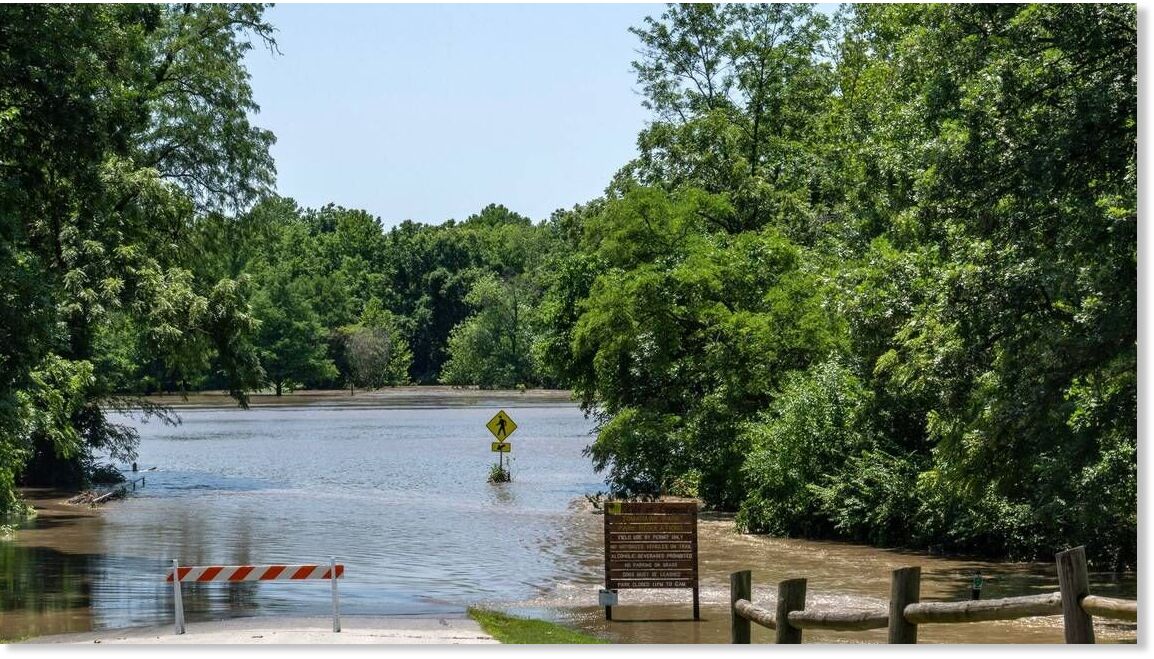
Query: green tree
<point x="492" y="348"/>
<point x="1021" y="195"/>
<point x="375" y="351"/>
<point x="350" y="246"/>
<point x="882" y="264"/>
<point x="814" y="426"/>
<point x="432" y="269"/>
<point x="291" y="341"/>
<point x="737" y="91"/>
<point x="119" y="125"/>
<point x="685" y="334"/>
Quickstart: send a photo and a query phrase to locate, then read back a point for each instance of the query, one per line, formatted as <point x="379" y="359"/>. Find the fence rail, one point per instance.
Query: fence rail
<point x="1008" y="608"/>
<point x="119" y="490"/>
<point x="906" y="612"/>
<point x="839" y="621"/>
<point x="1111" y="607"/>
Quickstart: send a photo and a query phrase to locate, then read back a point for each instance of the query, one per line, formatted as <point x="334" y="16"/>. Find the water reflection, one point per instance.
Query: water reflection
<point x="398" y="495"/>
<point x="38" y="601"/>
<point x="502" y="495"/>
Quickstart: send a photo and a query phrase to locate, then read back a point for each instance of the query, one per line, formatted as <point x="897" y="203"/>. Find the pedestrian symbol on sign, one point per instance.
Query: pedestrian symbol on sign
<point x="501" y="426"/>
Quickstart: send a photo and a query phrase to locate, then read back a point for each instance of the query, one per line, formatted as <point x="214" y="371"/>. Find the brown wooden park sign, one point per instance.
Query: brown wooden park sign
<point x="651" y="545"/>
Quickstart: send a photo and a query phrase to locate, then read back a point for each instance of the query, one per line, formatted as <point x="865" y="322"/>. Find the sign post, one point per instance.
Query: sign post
<point x="501" y="425"/>
<point x="651" y="545"/>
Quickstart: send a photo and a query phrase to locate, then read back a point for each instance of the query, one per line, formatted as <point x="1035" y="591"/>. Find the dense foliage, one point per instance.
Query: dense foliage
<point x="872" y="275"/>
<point x="119" y="126"/>
<point x="880" y="280"/>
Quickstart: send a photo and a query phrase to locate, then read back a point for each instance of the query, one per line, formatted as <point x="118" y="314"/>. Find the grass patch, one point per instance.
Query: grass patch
<point x="499" y="474"/>
<point x="4" y="640"/>
<point x="509" y="629"/>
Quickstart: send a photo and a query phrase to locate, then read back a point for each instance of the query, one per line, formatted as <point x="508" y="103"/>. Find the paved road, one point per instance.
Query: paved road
<point x="318" y="631"/>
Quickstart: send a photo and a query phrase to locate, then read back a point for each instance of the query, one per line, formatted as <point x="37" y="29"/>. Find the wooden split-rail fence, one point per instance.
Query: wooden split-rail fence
<point x="117" y="491"/>
<point x="906" y="612"/>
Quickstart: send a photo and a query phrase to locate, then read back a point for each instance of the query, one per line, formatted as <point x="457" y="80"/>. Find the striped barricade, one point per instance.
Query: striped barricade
<point x="236" y="573"/>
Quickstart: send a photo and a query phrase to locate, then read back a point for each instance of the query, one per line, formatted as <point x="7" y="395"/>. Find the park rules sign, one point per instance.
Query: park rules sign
<point x="651" y="545"/>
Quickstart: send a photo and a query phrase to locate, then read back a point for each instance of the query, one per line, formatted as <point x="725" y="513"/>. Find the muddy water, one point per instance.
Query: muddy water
<point x="397" y="492"/>
<point x="840" y="576"/>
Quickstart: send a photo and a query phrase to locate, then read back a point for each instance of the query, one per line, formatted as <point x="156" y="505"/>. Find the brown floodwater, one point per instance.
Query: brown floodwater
<point x="396" y="491"/>
<point x="839" y="576"/>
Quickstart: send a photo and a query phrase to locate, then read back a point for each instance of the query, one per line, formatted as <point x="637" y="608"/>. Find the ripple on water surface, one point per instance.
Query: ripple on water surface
<point x="398" y="495"/>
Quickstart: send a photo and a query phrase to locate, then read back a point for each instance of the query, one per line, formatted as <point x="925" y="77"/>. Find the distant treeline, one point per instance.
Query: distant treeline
<point x="872" y="275"/>
<point x="340" y="302"/>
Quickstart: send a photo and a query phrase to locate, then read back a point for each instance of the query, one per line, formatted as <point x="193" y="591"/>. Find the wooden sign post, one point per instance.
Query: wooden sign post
<point x="651" y="545"/>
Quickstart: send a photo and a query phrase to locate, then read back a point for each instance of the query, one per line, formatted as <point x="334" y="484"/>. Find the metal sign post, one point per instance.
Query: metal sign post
<point x="501" y="425"/>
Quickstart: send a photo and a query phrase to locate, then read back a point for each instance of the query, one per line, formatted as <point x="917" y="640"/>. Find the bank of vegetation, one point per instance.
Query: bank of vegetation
<point x="871" y="276"/>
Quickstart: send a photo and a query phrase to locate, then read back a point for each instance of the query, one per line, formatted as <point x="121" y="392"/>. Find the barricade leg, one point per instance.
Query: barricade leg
<point x="177" y="603"/>
<point x="336" y="596"/>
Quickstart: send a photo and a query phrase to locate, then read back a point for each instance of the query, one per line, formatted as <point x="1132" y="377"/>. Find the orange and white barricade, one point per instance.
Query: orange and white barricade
<point x="224" y="573"/>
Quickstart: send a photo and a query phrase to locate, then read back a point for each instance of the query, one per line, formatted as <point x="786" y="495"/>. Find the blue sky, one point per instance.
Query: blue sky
<point x="430" y="112"/>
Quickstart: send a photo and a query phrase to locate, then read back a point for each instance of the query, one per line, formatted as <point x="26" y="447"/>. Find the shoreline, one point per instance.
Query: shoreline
<point x="407" y="396"/>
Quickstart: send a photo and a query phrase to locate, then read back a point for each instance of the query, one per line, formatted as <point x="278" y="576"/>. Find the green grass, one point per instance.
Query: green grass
<point x="4" y="640"/>
<point x="509" y="629"/>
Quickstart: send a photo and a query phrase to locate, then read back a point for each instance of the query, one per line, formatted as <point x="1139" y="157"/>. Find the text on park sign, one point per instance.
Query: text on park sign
<point x="651" y="545"/>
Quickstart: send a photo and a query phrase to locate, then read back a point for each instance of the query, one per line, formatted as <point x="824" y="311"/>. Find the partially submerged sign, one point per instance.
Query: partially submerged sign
<point x="651" y="545"/>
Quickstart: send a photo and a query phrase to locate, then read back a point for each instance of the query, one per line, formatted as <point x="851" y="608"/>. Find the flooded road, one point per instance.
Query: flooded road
<point x="840" y="576"/>
<point x="398" y="493"/>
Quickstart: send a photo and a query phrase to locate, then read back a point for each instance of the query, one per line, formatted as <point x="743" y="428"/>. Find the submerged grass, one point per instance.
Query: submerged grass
<point x="510" y="629"/>
<point x="499" y="474"/>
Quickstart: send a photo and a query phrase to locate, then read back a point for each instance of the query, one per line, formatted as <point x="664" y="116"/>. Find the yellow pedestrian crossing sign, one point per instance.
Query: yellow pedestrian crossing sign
<point x="501" y="426"/>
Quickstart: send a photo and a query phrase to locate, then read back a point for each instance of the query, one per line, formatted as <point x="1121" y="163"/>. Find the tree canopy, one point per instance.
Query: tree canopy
<point x="119" y="126"/>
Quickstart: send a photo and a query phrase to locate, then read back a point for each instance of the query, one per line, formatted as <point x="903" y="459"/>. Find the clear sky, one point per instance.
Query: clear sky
<point x="430" y="112"/>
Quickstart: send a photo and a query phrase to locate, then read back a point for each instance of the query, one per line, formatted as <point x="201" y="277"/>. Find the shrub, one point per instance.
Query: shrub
<point x="805" y="437"/>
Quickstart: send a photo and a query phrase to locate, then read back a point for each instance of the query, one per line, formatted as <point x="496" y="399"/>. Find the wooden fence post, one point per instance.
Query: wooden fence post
<point x="1074" y="583"/>
<point x="905" y="588"/>
<point x="790" y="597"/>
<point x="740" y="588"/>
